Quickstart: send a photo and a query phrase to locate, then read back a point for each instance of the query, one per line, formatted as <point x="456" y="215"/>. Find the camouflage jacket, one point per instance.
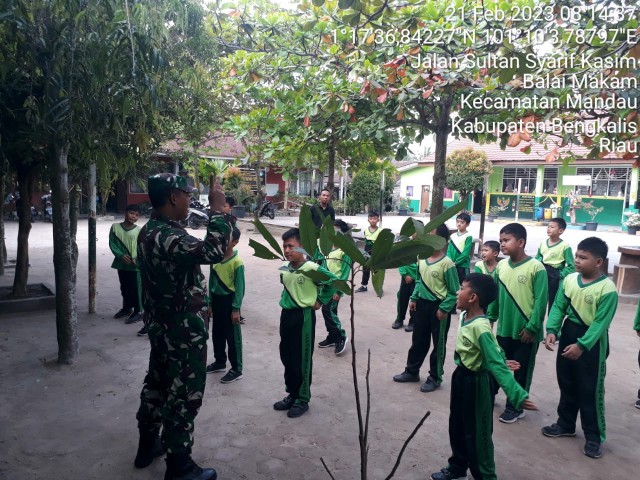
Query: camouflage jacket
<point x="169" y="260"/>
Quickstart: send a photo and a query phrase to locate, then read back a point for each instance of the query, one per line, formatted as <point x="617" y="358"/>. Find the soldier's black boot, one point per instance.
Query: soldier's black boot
<point x="149" y="447"/>
<point x="182" y="467"/>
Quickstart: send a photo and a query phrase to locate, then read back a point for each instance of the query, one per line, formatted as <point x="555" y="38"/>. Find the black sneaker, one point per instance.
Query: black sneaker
<point x="341" y="345"/>
<point x="285" y="404"/>
<point x="242" y="320"/>
<point x="592" y="449"/>
<point x="511" y="416"/>
<point x="409" y="328"/>
<point x="637" y="403"/>
<point x="216" y="367"/>
<point x="298" y="409"/>
<point x="143" y="331"/>
<point x="445" y="474"/>
<point x="231" y="376"/>
<point x="406" y="377"/>
<point x="135" y="317"/>
<point x="122" y="313"/>
<point x="327" y="342"/>
<point x="361" y="288"/>
<point x="430" y="385"/>
<point x="556" y="430"/>
<point x="149" y="447"/>
<point x="396" y="325"/>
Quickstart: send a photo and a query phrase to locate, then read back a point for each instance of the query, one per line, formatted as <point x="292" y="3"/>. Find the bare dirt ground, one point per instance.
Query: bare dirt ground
<point x="78" y="422"/>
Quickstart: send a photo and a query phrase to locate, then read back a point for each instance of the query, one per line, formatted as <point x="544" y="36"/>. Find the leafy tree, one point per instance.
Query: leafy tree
<point x="364" y="190"/>
<point x="466" y="170"/>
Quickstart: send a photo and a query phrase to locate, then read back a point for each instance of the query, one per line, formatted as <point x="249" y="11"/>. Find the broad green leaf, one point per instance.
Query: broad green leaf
<point x="326" y="236"/>
<point x="341" y="285"/>
<point x="348" y="246"/>
<point x="308" y="231"/>
<point x="408" y="228"/>
<point x="314" y="275"/>
<point x="418" y="227"/>
<point x="377" y="280"/>
<point x="266" y="234"/>
<point x="444" y="216"/>
<point x="381" y="246"/>
<point x="406" y="253"/>
<point x="261" y="251"/>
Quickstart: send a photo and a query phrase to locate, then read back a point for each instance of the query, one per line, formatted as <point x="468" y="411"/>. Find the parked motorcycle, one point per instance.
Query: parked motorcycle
<point x="198" y="215"/>
<point x="268" y="209"/>
<point x="47" y="208"/>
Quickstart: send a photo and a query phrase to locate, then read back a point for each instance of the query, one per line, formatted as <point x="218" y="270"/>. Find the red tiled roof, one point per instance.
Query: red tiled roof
<point x="217" y="145"/>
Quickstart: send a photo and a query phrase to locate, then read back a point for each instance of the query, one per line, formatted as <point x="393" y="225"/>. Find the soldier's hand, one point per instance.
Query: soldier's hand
<point x="216" y="195"/>
<point x="235" y="317"/>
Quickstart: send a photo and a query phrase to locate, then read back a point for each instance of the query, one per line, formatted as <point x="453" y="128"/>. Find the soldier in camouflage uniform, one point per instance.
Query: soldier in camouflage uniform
<point x="175" y="304"/>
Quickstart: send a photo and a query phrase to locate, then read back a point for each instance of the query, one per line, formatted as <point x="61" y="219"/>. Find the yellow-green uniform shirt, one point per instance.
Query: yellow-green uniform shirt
<point x="370" y="237"/>
<point x="437" y="282"/>
<point x="301" y="291"/>
<point x="459" y="249"/>
<point x="227" y="278"/>
<point x="339" y="263"/>
<point x="522" y="298"/>
<point x="558" y="256"/>
<point x="593" y="305"/>
<point x="477" y="350"/>
<point x="481" y="267"/>
<point x="124" y="242"/>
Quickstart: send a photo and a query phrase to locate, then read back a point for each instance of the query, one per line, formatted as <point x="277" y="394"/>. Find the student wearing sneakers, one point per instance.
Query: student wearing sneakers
<point x="460" y="245"/>
<point x="370" y="235"/>
<point x="408" y="277"/>
<point x="479" y="359"/>
<point x="585" y="305"/>
<point x="226" y="291"/>
<point x="338" y="263"/>
<point x="520" y="309"/>
<point x="433" y="299"/>
<point x="301" y="297"/>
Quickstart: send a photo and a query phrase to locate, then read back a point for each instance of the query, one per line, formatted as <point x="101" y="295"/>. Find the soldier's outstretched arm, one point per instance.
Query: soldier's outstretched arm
<point x="192" y="250"/>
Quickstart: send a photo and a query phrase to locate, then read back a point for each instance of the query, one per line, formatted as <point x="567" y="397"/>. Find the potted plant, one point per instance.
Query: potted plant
<point x="633" y="223"/>
<point x="494" y="211"/>
<point x="403" y="206"/>
<point x="591" y="210"/>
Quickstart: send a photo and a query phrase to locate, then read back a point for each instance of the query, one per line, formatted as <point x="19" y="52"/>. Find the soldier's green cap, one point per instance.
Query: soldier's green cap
<point x="162" y="183"/>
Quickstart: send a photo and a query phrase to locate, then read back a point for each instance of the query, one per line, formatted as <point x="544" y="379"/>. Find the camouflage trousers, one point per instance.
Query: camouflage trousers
<point x="174" y="385"/>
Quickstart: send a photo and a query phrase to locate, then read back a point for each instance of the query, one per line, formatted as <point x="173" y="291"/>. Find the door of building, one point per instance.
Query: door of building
<point x="477" y="201"/>
<point x="425" y="198"/>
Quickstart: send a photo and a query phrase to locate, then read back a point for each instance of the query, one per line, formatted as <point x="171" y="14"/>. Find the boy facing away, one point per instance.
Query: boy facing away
<point x="301" y="297"/>
<point x="586" y="303"/>
<point x="433" y="299"/>
<point x="520" y="309"/>
<point x="460" y="245"/>
<point x="556" y="256"/>
<point x="370" y="235"/>
<point x="123" y="242"/>
<point x="226" y="291"/>
<point x="338" y="263"/>
<point x="479" y="359"/>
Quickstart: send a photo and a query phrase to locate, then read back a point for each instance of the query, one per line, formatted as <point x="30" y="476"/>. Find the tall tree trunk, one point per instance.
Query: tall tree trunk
<point x="25" y="187"/>
<point x="63" y="260"/>
<point x="442" y="134"/>
<point x="259" y="195"/>
<point x="74" y="212"/>
<point x="3" y="245"/>
<point x="92" y="238"/>
<point x="331" y="150"/>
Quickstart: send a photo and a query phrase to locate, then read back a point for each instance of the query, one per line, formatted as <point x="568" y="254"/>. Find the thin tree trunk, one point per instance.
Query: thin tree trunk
<point x="331" y="150"/>
<point x="74" y="212"/>
<point x="442" y="134"/>
<point x="21" y="276"/>
<point x="63" y="260"/>
<point x="3" y="245"/>
<point x="259" y="196"/>
<point x="92" y="238"/>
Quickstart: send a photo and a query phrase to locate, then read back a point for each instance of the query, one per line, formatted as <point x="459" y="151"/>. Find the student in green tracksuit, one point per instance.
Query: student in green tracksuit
<point x="556" y="256"/>
<point x="338" y="263"/>
<point x="370" y="236"/>
<point x="460" y="245"/>
<point x="479" y="359"/>
<point x="433" y="299"/>
<point x="585" y="305"/>
<point x="489" y="262"/>
<point x="408" y="277"/>
<point x="301" y="297"/>
<point x="636" y="327"/>
<point x="520" y="309"/>
<point x="226" y="291"/>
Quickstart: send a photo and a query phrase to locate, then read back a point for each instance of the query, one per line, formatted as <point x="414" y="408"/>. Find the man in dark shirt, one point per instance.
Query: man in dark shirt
<point x="322" y="209"/>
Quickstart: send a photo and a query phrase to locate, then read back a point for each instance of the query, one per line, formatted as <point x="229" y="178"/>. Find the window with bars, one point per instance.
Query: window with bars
<point x="550" y="181"/>
<point x="511" y="176"/>
<point x="606" y="181"/>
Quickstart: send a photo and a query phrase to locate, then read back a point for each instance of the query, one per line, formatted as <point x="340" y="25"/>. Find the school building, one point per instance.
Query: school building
<point x="525" y="183"/>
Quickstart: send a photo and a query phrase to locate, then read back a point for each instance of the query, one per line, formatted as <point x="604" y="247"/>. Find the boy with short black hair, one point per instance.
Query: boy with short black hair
<point x="433" y="299"/>
<point x="301" y="297"/>
<point x="370" y="235"/>
<point x="585" y="305"/>
<point x="479" y="359"/>
<point x="226" y="291"/>
<point x="460" y="245"/>
<point x="338" y="263"/>
<point x="488" y="264"/>
<point x="123" y="242"/>
<point x="520" y="309"/>
<point x="556" y="256"/>
<point x="229" y="203"/>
